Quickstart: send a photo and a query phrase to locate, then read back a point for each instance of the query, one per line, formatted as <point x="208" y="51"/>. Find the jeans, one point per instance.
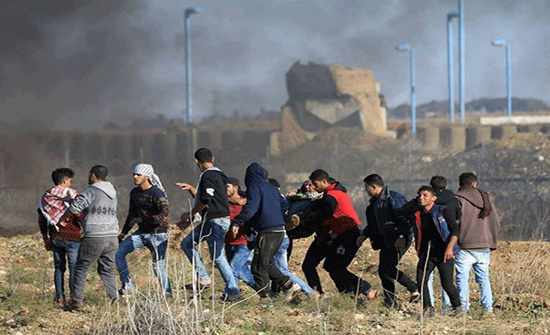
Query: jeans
<point x="263" y="267"/>
<point x="157" y="244"/>
<point x="213" y="231"/>
<point x="479" y="260"/>
<point x="445" y="301"/>
<point x="102" y="250"/>
<point x="239" y="257"/>
<point x="280" y="261"/>
<point x="64" y="252"/>
<point x="337" y="254"/>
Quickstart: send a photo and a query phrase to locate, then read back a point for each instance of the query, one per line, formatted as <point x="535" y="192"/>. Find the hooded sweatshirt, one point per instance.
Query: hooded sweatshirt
<point x="447" y="198"/>
<point x="264" y="202"/>
<point x="477" y="232"/>
<point x="99" y="204"/>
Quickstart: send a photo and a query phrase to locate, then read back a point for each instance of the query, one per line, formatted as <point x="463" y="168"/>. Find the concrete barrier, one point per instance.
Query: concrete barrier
<point x="429" y="137"/>
<point x="453" y="137"/>
<point x="476" y="135"/>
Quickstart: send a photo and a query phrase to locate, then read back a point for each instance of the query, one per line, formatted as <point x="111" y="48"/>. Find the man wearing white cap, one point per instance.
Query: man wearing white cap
<point x="149" y="209"/>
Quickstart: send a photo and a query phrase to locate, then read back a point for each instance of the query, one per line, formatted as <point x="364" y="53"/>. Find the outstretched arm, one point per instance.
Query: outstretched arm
<point x="188" y="187"/>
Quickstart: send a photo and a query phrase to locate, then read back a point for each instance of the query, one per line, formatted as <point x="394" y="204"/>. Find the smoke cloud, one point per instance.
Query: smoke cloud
<point x="72" y="63"/>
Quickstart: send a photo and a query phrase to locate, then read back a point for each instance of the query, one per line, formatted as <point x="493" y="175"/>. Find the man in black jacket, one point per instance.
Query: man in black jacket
<point x="445" y="198"/>
<point x="389" y="233"/>
<point x="211" y="209"/>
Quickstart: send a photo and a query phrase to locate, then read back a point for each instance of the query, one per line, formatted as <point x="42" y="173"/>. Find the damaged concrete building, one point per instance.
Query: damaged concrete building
<point x="324" y="96"/>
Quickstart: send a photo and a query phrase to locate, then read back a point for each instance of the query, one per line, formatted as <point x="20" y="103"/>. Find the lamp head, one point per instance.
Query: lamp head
<point x="499" y="43"/>
<point x="403" y="47"/>
<point x="192" y="10"/>
<point x="453" y="15"/>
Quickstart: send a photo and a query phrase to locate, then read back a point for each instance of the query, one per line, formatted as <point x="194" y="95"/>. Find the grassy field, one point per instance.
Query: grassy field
<point x="520" y="277"/>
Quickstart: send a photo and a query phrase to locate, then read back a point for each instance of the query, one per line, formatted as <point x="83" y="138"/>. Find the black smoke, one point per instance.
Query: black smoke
<point x="85" y="63"/>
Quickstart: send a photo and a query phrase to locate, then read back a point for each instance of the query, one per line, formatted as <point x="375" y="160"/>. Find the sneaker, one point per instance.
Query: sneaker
<point x="234" y="297"/>
<point x="292" y="292"/>
<point x="458" y="312"/>
<point x="445" y="309"/>
<point x="125" y="290"/>
<point x="76" y="306"/>
<point x="200" y="286"/>
<point x="59" y="303"/>
<point x="391" y="304"/>
<point x="488" y="315"/>
<point x="286" y="286"/>
<point x="428" y="313"/>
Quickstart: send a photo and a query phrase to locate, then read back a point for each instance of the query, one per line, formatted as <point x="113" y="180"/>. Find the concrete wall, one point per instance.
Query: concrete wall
<point x="167" y="150"/>
<point x="458" y="137"/>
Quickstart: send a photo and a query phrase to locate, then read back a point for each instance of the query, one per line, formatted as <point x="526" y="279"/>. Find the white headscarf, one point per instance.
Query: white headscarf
<point x="147" y="170"/>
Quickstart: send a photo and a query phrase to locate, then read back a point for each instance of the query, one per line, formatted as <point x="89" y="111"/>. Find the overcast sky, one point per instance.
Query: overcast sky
<point x="81" y="63"/>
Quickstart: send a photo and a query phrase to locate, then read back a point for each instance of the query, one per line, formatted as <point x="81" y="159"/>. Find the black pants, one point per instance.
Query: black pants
<point x="337" y="254"/>
<point x="446" y="273"/>
<point x="262" y="267"/>
<point x="388" y="272"/>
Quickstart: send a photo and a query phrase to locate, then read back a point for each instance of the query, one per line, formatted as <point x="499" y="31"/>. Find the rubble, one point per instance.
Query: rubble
<point x="326" y="96"/>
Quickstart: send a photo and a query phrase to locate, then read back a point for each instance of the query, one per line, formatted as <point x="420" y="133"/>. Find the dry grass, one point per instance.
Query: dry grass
<point x="520" y="277"/>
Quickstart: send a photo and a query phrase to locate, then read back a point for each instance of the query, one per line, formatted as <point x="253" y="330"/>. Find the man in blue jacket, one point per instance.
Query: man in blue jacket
<point x="263" y="210"/>
<point x="436" y="236"/>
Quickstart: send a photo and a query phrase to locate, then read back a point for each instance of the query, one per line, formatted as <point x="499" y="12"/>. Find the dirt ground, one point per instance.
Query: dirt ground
<point x="520" y="277"/>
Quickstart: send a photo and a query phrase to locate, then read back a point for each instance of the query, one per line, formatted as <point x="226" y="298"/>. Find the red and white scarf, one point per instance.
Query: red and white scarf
<point x="52" y="206"/>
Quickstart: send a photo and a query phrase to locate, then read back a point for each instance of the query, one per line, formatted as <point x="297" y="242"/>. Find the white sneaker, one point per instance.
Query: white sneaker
<point x="292" y="292"/>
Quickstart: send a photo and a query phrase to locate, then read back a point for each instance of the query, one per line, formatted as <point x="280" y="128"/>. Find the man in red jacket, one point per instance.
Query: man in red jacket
<point x="336" y="225"/>
<point x="236" y="249"/>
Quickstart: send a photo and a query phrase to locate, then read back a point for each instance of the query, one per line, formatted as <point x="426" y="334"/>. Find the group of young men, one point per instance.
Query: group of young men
<point x="249" y="234"/>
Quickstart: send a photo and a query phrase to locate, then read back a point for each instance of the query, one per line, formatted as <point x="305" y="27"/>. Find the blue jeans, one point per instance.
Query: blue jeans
<point x="64" y="252"/>
<point x="239" y="257"/>
<point x="280" y="261"/>
<point x="479" y="260"/>
<point x="445" y="301"/>
<point x="157" y="243"/>
<point x="213" y="231"/>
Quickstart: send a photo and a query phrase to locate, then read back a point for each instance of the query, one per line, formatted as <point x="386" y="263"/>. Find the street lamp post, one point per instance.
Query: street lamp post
<point x="461" y="61"/>
<point x="407" y="47"/>
<point x="450" y="65"/>
<point x="188" y="12"/>
<point x="503" y="43"/>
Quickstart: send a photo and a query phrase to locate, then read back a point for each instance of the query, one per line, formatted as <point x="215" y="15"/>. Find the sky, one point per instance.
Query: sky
<point x="73" y="63"/>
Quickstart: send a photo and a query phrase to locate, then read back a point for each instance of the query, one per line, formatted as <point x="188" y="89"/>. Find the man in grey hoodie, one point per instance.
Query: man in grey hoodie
<point x="99" y="243"/>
